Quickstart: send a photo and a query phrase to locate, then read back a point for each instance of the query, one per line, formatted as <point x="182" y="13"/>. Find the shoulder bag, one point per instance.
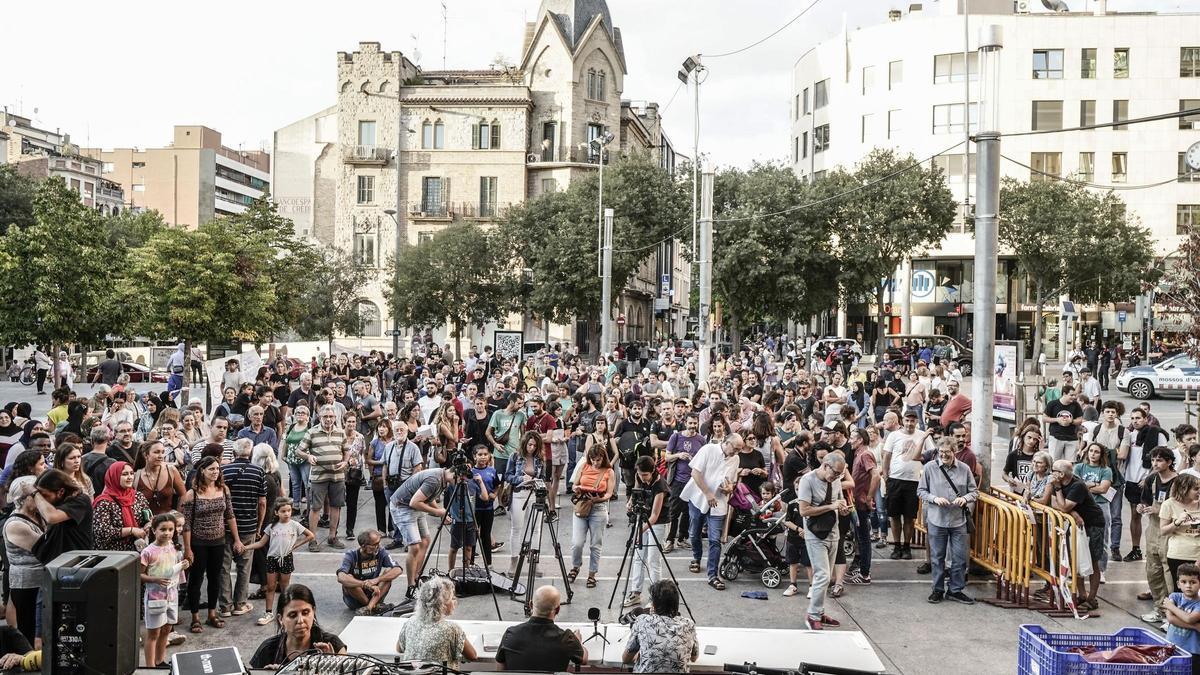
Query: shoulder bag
<point x="966" y="511"/>
<point x="820" y="526"/>
<point x="584" y="503"/>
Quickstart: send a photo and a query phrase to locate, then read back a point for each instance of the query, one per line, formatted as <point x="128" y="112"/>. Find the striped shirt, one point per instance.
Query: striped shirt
<point x="227" y="451"/>
<point x="326" y="446"/>
<point x="247" y="484"/>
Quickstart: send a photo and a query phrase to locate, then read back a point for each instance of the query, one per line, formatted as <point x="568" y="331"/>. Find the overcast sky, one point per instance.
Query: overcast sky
<point x="123" y="74"/>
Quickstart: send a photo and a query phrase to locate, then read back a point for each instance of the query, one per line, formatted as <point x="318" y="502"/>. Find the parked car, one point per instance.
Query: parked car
<point x="136" y="372"/>
<point x="1172" y="376"/>
<point x="95" y="357"/>
<point x="827" y="344"/>
<point x="941" y="344"/>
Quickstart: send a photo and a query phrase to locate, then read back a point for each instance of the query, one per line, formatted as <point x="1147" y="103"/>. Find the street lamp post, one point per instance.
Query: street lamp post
<point x="603" y="250"/>
<point x="395" y="281"/>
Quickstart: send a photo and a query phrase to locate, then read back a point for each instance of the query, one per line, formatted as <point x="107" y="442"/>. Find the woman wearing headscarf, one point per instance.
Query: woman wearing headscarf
<point x="120" y="511"/>
<point x="10" y="435"/>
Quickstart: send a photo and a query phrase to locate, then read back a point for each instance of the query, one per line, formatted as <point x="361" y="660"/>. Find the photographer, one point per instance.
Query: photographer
<point x="415" y="496"/>
<point x="649" y="491"/>
<point x="525" y="466"/>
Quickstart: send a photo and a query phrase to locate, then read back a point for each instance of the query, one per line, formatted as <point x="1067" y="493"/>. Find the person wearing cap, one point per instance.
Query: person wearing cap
<point x="1064" y="417"/>
<point x="902" y="451"/>
<point x="834" y="433"/>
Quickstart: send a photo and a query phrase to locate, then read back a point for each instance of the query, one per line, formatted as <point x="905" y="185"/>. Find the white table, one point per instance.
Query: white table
<point x="768" y="647"/>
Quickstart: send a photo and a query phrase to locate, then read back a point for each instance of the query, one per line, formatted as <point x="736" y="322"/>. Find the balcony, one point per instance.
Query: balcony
<point x="570" y="155"/>
<point x="457" y="210"/>
<point x="369" y="155"/>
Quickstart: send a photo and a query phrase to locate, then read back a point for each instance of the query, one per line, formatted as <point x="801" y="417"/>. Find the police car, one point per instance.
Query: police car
<point x="1172" y="375"/>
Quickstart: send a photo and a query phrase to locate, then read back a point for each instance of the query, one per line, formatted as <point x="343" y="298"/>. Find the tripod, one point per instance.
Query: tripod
<point x="640" y="517"/>
<point x="535" y="518"/>
<point x="457" y="501"/>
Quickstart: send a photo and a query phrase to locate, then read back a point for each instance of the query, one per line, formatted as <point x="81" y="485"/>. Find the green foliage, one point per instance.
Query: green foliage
<point x="59" y="273"/>
<point x="1179" y="285"/>
<point x="16" y="199"/>
<point x="331" y="296"/>
<point x="460" y="274"/>
<point x="770" y="267"/>
<point x="554" y="235"/>
<point x="131" y="230"/>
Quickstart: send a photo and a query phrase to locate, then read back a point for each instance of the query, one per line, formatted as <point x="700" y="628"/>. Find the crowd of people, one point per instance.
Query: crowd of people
<point x="844" y="456"/>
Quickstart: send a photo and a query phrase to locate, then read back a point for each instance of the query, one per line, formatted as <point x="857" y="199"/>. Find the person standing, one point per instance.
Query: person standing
<point x="108" y="370"/>
<point x="1071" y="495"/>
<point x="1156" y="491"/>
<point x="323" y="447"/>
<point x="208" y="518"/>
<point x="41" y="365"/>
<point x="1064" y="417"/>
<point x="865" y="472"/>
<point x="902" y="452"/>
<point x="504" y="435"/>
<point x="821" y="504"/>
<point x="681" y="448"/>
<point x="120" y="513"/>
<point x="714" y="471"/>
<point x="948" y="489"/>
<point x="247" y="486"/>
<point x="1143" y="437"/>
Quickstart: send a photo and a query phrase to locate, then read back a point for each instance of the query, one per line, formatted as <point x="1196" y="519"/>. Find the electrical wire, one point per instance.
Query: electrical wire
<point x="839" y="195"/>
<point x="1097" y="186"/>
<point x="1136" y="120"/>
<point x="672" y="99"/>
<point x="657" y="243"/>
<point x="773" y="34"/>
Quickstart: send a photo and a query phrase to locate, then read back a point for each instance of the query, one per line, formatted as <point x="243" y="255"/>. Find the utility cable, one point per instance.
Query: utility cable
<point x="657" y="243"/>
<point x="1136" y="120"/>
<point x="773" y="34"/>
<point x="1097" y="186"/>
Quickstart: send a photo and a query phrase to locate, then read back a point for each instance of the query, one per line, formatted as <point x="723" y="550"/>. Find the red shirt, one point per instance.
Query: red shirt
<point x="955" y="409"/>
<point x="543" y="424"/>
<point x="864" y="464"/>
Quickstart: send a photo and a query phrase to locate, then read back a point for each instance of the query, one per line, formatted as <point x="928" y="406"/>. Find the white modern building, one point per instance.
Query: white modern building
<point x="902" y="84"/>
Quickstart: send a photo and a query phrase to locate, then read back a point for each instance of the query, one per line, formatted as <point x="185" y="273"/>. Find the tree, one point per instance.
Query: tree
<point x="1179" y="285"/>
<point x="554" y="235"/>
<point x="900" y="207"/>
<point x="132" y="229"/>
<point x="330" y="300"/>
<point x="16" y="199"/>
<point x="1068" y="239"/>
<point x="59" y="274"/>
<point x="770" y="267"/>
<point x="459" y="275"/>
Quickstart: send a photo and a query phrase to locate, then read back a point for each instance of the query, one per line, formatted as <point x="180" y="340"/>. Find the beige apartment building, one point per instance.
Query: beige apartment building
<point x="41" y="153"/>
<point x="192" y="180"/>
<point x="405" y="152"/>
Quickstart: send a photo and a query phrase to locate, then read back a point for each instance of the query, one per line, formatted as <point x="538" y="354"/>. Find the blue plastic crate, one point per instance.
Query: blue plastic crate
<point x="1043" y="653"/>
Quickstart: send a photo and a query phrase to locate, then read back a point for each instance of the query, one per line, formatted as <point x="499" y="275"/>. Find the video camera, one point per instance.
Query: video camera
<point x="641" y="500"/>
<point x="536" y="485"/>
<point x="458" y="462"/>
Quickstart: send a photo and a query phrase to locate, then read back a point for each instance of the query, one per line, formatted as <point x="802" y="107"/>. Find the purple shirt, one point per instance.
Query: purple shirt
<point x="691" y="445"/>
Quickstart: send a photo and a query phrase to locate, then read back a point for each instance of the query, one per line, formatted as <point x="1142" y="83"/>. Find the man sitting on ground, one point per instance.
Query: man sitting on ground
<point x="366" y="575"/>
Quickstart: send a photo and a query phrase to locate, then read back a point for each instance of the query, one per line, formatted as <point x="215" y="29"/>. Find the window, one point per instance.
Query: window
<point x="139" y="165"/>
<point x="1120" y="167"/>
<point x="368" y="315"/>
<point x="804" y="145"/>
<point x="796" y="108"/>
<point x="1120" y="113"/>
<point x="108" y="167"/>
<point x="1047" y="115"/>
<point x="866" y="127"/>
<point x="795" y="149"/>
<point x="426" y="135"/>
<point x="1047" y="64"/>
<point x="952" y="166"/>
<point x="487" y="196"/>
<point x="433" y="196"/>
<point x="804" y="100"/>
<point x="1190" y="121"/>
<point x="1187" y="217"/>
<point x="366" y="133"/>
<point x="1087" y="167"/>
<point x="894" y="123"/>
<point x="1189" y="61"/>
<point x="594" y="131"/>
<point x="1087" y="113"/>
<point x="948" y="119"/>
<point x="1121" y="63"/>
<point x="895" y="74"/>
<point x="549" y="185"/>
<point x="1186" y="175"/>
<point x="595" y="84"/>
<point x="1087" y="63"/>
<point x="821" y="138"/>
<point x="820" y="94"/>
<point x="364" y="249"/>
<point x="600" y="85"/>
<point x="868" y="73"/>
<point x="424" y="236"/>
<point x="949" y="68"/>
<point x="439" y="135"/>
<point x="1046" y="166"/>
<point x="366" y="189"/>
<point x="486" y="136"/>
<point x="138" y="187"/>
<point x="549" y="140"/>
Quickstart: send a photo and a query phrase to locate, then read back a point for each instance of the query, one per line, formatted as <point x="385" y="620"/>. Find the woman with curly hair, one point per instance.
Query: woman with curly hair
<point x="428" y="635"/>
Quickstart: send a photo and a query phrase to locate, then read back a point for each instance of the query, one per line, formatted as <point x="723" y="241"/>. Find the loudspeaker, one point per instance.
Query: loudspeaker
<point x="215" y="661"/>
<point x="90" y="614"/>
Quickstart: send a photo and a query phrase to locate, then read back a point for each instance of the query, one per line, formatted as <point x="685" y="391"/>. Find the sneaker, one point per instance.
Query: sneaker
<point x="1134" y="555"/>
<point x="1115" y="555"/>
<point x="334" y="542"/>
<point x="1145" y="595"/>
<point x="175" y="638"/>
<point x="244" y="608"/>
<point x="791" y="590"/>
<point x="827" y="620"/>
<point x="837" y="591"/>
<point x="860" y="580"/>
<point x="924" y="568"/>
<point x="669" y="547"/>
<point x="259" y="594"/>
<point x="314" y="546"/>
<point x="813" y="624"/>
<point x="384" y="608"/>
<point x="323" y="521"/>
<point x="500" y="510"/>
<point x="1153" y="617"/>
<point x="896" y="553"/>
<point x="853" y="577"/>
<point x="226" y="612"/>
<point x="632" y="600"/>
<point x="881" y="544"/>
<point x="1102" y="579"/>
<point x="364" y="611"/>
<point x="936" y="597"/>
<point x="683" y="544"/>
<point x="396" y="544"/>
<point x="907" y="553"/>
<point x="265" y="619"/>
<point x="959" y="596"/>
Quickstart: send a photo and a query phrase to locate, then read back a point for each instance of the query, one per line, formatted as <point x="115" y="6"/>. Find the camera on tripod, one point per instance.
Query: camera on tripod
<point x="641" y="500"/>
<point x="536" y="485"/>
<point x="458" y="462"/>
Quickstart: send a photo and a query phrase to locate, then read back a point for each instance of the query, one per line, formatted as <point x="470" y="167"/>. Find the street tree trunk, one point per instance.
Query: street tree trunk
<point x="185" y="392"/>
<point x="53" y="366"/>
<point x="1040" y="299"/>
<point x="458" y="340"/>
<point x="735" y="334"/>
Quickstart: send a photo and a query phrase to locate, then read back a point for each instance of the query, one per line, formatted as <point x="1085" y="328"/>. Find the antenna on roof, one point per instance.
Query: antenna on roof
<point x="445" y="23"/>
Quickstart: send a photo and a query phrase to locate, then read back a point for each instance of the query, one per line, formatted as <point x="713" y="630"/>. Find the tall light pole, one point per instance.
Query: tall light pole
<point x="987" y="208"/>
<point x="606" y="285"/>
<point x="706" y="260"/>
<point x="603" y="268"/>
<point x="692" y="70"/>
<point x="395" y="274"/>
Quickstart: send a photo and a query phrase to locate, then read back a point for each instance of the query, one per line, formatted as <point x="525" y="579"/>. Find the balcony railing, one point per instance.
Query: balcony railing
<point x="457" y="210"/>
<point x="367" y="154"/>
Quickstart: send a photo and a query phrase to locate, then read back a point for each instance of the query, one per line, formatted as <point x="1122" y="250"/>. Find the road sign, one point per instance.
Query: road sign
<point x="390" y="333"/>
<point x="621" y="320"/>
<point x="1121" y="316"/>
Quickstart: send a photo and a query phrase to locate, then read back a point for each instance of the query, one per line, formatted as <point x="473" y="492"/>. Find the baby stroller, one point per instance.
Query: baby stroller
<point x="754" y="548"/>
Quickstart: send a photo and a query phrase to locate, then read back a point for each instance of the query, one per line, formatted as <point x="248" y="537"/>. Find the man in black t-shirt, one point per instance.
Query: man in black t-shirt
<point x="1064" y="417"/>
<point x="632" y="434"/>
<point x="67" y="512"/>
<point x="539" y="644"/>
<point x="1072" y="495"/>
<point x="796" y="462"/>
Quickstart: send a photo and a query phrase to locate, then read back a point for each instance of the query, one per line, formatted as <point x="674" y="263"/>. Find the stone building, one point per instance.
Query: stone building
<point x="405" y="152"/>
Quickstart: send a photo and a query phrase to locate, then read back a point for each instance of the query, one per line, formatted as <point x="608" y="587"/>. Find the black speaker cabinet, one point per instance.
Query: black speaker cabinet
<point x="90" y="614"/>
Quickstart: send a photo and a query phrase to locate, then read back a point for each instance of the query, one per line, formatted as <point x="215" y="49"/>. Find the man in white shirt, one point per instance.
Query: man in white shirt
<point x="707" y="494"/>
<point x="902" y="450"/>
<point x="1089" y="387"/>
<point x="1143" y="437"/>
<point x="429" y="403"/>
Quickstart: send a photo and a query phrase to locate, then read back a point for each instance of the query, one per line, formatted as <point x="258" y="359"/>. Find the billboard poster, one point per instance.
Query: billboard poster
<point x="1006" y="370"/>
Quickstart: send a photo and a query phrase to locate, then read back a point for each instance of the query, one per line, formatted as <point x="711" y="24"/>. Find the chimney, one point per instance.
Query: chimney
<point x="1101" y="7"/>
<point x="894" y="15"/>
<point x="651" y="111"/>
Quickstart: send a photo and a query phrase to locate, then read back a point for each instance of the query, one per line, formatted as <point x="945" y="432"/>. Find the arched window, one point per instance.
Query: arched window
<point x="439" y="135"/>
<point x="591" y="83"/>
<point x="486" y="135"/>
<point x="368" y="315"/>
<point x="599" y="86"/>
<point x="426" y="135"/>
<point x="383" y="87"/>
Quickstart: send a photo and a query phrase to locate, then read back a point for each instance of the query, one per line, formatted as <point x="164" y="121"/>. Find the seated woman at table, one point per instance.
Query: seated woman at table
<point x="298" y="631"/>
<point x="662" y="642"/>
<point x="428" y="636"/>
